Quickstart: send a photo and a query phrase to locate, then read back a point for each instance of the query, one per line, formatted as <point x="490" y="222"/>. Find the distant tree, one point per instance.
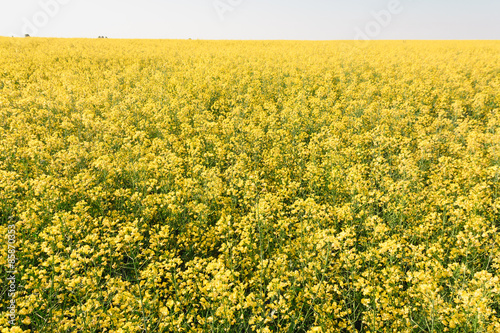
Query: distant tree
<point x="26" y="35"/>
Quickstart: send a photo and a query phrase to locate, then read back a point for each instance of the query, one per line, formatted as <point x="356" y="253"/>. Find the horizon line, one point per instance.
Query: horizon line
<point x="234" y="39"/>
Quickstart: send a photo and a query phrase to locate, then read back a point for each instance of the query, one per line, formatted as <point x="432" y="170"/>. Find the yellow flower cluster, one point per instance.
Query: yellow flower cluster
<point x="228" y="186"/>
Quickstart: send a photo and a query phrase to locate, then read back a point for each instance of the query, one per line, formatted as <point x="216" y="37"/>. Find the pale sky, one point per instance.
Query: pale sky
<point x="253" y="19"/>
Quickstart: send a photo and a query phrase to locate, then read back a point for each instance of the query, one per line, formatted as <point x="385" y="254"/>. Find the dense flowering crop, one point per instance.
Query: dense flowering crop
<point x="220" y="186"/>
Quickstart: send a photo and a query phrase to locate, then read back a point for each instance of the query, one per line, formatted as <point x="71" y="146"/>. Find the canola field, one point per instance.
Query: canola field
<point x="258" y="186"/>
